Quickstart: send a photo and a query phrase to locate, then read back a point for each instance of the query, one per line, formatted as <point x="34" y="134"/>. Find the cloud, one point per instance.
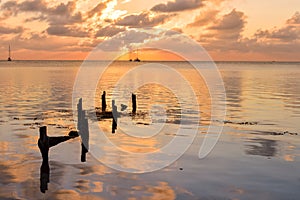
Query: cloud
<point x="59" y="14"/>
<point x="222" y="32"/>
<point x="289" y="33"/>
<point x="208" y="13"/>
<point x="109" y="31"/>
<point x="154" y="39"/>
<point x="36" y="18"/>
<point x="125" y="1"/>
<point x="8" y="30"/>
<point x="125" y="40"/>
<point x="60" y="30"/>
<point x="32" y="6"/>
<point x="294" y="20"/>
<point x="175" y="42"/>
<point x="285" y="34"/>
<point x="64" y="19"/>
<point x="41" y="42"/>
<point x="225" y="30"/>
<point x="206" y="17"/>
<point x="63" y="14"/>
<point x="144" y="19"/>
<point x="66" y="27"/>
<point x="177" y="5"/>
<point x="13" y="7"/>
<point x="63" y="9"/>
<point x="173" y="31"/>
<point x="8" y="9"/>
<point x="97" y="9"/>
<point x="235" y="20"/>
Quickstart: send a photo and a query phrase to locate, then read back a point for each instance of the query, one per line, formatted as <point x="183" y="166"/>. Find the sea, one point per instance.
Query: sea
<point x="223" y="130"/>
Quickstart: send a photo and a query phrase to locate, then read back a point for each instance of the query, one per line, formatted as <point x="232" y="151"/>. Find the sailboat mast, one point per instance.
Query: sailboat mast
<point x="9" y="58"/>
<point x="137" y="56"/>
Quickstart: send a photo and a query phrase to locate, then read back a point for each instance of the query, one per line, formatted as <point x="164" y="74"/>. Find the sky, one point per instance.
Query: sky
<point x="229" y="30"/>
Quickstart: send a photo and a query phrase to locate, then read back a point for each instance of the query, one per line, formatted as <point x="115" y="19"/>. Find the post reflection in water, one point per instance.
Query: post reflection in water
<point x="45" y="143"/>
<point x="261" y="147"/>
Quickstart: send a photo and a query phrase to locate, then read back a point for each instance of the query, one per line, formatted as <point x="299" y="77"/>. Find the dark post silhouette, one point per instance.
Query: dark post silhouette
<point x="79" y="115"/>
<point x="84" y="132"/>
<point x="44" y="144"/>
<point x="114" y="116"/>
<point x="83" y="128"/>
<point x="133" y="97"/>
<point x="103" y="101"/>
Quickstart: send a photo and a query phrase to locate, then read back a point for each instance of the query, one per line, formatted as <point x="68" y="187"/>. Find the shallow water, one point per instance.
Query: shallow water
<point x="257" y="155"/>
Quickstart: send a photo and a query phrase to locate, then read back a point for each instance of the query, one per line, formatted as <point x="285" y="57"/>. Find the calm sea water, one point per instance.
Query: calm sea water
<point x="257" y="156"/>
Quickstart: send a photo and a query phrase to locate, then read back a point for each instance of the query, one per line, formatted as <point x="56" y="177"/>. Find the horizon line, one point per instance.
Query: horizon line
<point x="79" y="60"/>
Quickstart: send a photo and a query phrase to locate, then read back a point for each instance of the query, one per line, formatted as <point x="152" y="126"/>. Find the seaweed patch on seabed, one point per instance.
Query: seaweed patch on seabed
<point x="139" y="115"/>
<point x="108" y="115"/>
<point x="275" y="133"/>
<point x="240" y="123"/>
<point x="3" y="122"/>
<point x="260" y="132"/>
<point x="39" y="124"/>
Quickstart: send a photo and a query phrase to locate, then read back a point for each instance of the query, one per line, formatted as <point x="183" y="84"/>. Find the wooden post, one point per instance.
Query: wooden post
<point x="103" y="101"/>
<point x="43" y="144"/>
<point x="84" y="137"/>
<point x="79" y="113"/>
<point x="83" y="128"/>
<point x="133" y="97"/>
<point x="114" y="116"/>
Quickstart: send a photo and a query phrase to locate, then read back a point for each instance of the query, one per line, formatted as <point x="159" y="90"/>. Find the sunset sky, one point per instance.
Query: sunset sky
<point x="264" y="30"/>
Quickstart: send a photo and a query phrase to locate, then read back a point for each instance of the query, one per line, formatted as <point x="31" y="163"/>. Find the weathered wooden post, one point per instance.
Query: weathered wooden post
<point x="84" y="137"/>
<point x="103" y="101"/>
<point x="43" y="144"/>
<point x="114" y="116"/>
<point x="83" y="128"/>
<point x="79" y="114"/>
<point x="133" y="98"/>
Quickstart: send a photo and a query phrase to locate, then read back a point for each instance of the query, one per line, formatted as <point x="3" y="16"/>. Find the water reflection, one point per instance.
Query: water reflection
<point x="34" y="96"/>
<point x="233" y="86"/>
<point x="261" y="147"/>
<point x="251" y="96"/>
<point x="161" y="191"/>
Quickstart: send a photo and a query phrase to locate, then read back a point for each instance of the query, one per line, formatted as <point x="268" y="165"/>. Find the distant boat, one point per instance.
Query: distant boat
<point x="137" y="56"/>
<point x="9" y="57"/>
<point x="137" y="60"/>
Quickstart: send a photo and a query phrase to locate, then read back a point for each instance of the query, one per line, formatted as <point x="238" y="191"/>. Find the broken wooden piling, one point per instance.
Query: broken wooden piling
<point x="114" y="116"/>
<point x="44" y="144"/>
<point x="133" y="98"/>
<point x="83" y="128"/>
<point x="103" y="101"/>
